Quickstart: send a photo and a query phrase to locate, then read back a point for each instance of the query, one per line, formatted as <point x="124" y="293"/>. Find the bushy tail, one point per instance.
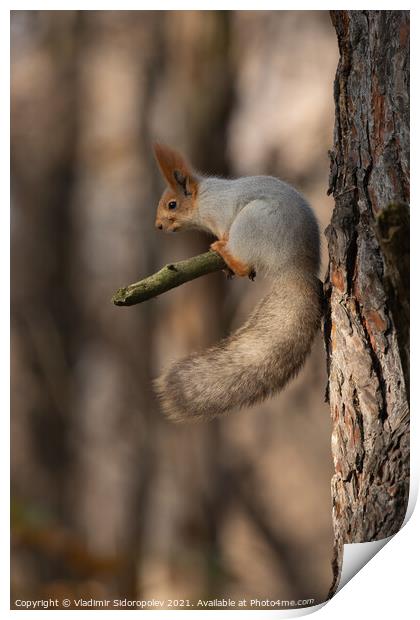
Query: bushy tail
<point x="254" y="362"/>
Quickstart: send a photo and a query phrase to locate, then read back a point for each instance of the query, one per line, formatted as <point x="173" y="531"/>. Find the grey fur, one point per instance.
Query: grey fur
<point x="269" y="224"/>
<point x="271" y="227"/>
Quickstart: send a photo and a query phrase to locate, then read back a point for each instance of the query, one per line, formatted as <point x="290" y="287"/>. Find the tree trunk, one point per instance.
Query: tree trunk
<point x="367" y="284"/>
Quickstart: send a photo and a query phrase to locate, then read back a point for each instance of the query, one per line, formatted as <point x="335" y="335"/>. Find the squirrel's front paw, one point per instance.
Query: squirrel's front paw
<point x="229" y="273"/>
<point x="252" y="274"/>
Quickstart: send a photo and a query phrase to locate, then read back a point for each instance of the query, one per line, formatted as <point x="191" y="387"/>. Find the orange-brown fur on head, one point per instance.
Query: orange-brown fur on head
<point x="178" y="202"/>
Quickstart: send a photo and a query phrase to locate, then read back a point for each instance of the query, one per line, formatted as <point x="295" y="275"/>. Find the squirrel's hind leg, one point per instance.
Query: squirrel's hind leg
<point x="238" y="267"/>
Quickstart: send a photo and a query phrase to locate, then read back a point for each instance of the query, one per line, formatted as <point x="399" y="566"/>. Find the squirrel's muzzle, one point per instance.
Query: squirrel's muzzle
<point x="167" y="225"/>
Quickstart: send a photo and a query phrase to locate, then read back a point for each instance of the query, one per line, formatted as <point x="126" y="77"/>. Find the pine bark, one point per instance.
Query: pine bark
<point x="367" y="283"/>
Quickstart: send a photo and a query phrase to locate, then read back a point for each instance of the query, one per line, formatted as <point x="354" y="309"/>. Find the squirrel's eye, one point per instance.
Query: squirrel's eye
<point x="172" y="204"/>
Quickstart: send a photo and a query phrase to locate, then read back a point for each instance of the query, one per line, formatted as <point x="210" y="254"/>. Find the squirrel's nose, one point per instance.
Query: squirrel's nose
<point x="159" y="225"/>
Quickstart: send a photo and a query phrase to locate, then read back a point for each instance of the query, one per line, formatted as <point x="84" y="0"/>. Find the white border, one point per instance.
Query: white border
<point x="385" y="587"/>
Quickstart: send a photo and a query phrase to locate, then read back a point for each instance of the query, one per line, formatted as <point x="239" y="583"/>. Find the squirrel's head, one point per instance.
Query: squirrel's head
<point x="177" y="206"/>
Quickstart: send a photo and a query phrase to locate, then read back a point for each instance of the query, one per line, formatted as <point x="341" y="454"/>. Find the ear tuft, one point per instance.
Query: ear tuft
<point x="183" y="182"/>
<point x="174" y="168"/>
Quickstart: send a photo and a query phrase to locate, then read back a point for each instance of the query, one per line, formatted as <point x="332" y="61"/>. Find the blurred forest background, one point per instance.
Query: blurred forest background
<point x="109" y="499"/>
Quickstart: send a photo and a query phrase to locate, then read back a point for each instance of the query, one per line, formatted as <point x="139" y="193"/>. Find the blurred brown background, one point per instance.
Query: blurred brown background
<point x="108" y="498"/>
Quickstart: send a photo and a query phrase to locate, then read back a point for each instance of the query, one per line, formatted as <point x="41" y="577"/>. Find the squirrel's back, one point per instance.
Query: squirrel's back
<point x="270" y="223"/>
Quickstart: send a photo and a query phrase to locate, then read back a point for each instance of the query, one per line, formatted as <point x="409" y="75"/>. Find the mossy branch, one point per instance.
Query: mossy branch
<point x="168" y="277"/>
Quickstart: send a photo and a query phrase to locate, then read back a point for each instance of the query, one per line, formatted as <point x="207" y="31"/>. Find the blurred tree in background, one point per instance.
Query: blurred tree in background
<point x="108" y="498"/>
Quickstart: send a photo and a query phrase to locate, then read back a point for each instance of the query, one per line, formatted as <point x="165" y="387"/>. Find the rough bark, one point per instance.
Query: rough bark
<point x="366" y="328"/>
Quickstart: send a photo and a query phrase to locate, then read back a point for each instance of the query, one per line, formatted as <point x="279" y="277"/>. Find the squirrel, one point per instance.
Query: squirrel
<point x="262" y="225"/>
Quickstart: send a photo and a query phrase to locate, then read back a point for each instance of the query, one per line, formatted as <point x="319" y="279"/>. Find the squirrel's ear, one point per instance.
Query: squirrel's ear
<point x="175" y="170"/>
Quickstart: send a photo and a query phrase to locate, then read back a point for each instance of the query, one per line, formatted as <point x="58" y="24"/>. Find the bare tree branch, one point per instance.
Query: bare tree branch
<point x="168" y="277"/>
